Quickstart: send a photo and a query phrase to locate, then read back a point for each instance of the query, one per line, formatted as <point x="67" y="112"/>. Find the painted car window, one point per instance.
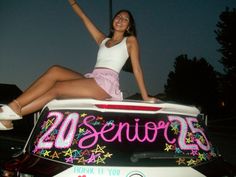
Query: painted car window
<point x="84" y="137"/>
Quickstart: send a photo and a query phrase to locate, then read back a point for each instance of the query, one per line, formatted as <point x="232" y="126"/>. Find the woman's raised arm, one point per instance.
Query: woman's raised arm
<point x="97" y="35"/>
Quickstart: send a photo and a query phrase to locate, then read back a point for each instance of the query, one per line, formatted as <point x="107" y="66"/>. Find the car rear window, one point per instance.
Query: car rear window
<point x="87" y="137"/>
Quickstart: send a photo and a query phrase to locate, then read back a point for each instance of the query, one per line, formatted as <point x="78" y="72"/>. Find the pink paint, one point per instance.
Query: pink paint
<point x="109" y="132"/>
<point x="190" y="121"/>
<point x="151" y="133"/>
<point x="63" y="140"/>
<point x="42" y="144"/>
<point x="183" y="133"/>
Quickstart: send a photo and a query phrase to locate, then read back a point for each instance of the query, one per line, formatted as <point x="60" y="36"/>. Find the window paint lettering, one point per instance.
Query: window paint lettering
<point x="190" y="122"/>
<point x="183" y="133"/>
<point x="42" y="142"/>
<point x="63" y="140"/>
<point x="151" y="132"/>
<point x="96" y="170"/>
<point x="68" y="125"/>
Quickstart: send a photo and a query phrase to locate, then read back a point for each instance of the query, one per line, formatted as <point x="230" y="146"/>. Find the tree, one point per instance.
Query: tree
<point x="194" y="82"/>
<point x="226" y="36"/>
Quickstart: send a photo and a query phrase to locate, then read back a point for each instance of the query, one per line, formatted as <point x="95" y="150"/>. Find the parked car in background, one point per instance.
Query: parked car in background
<point x="88" y="138"/>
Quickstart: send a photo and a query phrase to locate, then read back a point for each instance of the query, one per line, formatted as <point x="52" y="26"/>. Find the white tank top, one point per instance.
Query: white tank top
<point x="112" y="57"/>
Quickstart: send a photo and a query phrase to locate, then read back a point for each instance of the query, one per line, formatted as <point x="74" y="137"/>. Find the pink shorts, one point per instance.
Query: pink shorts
<point x="108" y="80"/>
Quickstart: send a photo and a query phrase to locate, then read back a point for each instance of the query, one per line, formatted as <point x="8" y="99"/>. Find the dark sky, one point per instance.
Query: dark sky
<point x="37" y="34"/>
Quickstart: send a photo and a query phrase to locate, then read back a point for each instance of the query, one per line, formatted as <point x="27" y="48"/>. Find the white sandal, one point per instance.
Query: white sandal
<point x="8" y="114"/>
<point x="3" y="127"/>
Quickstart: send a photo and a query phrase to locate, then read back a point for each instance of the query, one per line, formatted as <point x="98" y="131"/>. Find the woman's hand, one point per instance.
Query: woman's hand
<point x="151" y="99"/>
<point x="97" y="35"/>
<point x="72" y="2"/>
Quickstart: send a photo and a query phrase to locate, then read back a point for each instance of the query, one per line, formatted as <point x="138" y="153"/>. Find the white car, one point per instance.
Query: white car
<point x="92" y="138"/>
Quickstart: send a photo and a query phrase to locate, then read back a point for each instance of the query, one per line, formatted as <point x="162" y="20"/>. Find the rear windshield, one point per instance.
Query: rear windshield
<point x="83" y="137"/>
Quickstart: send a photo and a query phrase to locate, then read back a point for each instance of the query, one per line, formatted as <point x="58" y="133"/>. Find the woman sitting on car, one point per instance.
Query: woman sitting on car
<point x="102" y="83"/>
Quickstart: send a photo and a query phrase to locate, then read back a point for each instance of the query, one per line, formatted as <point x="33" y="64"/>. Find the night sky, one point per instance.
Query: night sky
<point x="37" y="34"/>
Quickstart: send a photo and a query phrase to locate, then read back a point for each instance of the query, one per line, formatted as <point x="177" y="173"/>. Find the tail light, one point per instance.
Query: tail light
<point x="127" y="107"/>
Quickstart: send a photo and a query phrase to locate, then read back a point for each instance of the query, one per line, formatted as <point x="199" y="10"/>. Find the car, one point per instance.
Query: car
<point x="88" y="138"/>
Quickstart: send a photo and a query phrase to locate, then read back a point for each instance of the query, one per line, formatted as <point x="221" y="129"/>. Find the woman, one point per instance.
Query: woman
<point x="102" y="83"/>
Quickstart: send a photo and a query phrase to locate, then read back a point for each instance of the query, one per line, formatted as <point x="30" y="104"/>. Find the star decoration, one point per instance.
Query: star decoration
<point x="83" y="115"/>
<point x="55" y="131"/>
<point x="46" y="153"/>
<point x="87" y="132"/>
<point x="55" y="155"/>
<point x="197" y="135"/>
<point x="99" y="118"/>
<point x="69" y="160"/>
<point x="188" y="140"/>
<point x="81" y="161"/>
<point x="168" y="147"/>
<point x="99" y="149"/>
<point x="194" y="153"/>
<point x="49" y="122"/>
<point x="176" y="131"/>
<point x="201" y="138"/>
<point x="197" y="125"/>
<point x="42" y="152"/>
<point x="189" y="134"/>
<point x="74" y="141"/>
<point x="191" y="162"/>
<point x="178" y="151"/>
<point x="175" y="125"/>
<point x="92" y="158"/>
<point x="181" y="161"/>
<point x="85" y="152"/>
<point x="201" y="156"/>
<point x="111" y="122"/>
<point x="68" y="152"/>
<point x="96" y="123"/>
<point x="81" y="130"/>
<point x="100" y="160"/>
<point x="108" y="155"/>
<point x="76" y="153"/>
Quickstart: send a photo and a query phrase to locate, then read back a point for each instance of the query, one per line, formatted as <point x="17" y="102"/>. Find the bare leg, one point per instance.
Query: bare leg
<point x="43" y="84"/>
<point x="77" y="88"/>
<point x="57" y="82"/>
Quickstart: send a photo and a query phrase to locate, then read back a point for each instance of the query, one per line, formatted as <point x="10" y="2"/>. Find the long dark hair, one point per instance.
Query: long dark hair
<point x="132" y="29"/>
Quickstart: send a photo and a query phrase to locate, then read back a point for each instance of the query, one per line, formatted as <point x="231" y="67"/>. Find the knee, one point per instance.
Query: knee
<point x="53" y="71"/>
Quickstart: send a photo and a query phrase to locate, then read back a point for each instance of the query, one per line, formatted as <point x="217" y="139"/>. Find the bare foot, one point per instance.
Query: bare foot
<point x="7" y="123"/>
<point x="15" y="106"/>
